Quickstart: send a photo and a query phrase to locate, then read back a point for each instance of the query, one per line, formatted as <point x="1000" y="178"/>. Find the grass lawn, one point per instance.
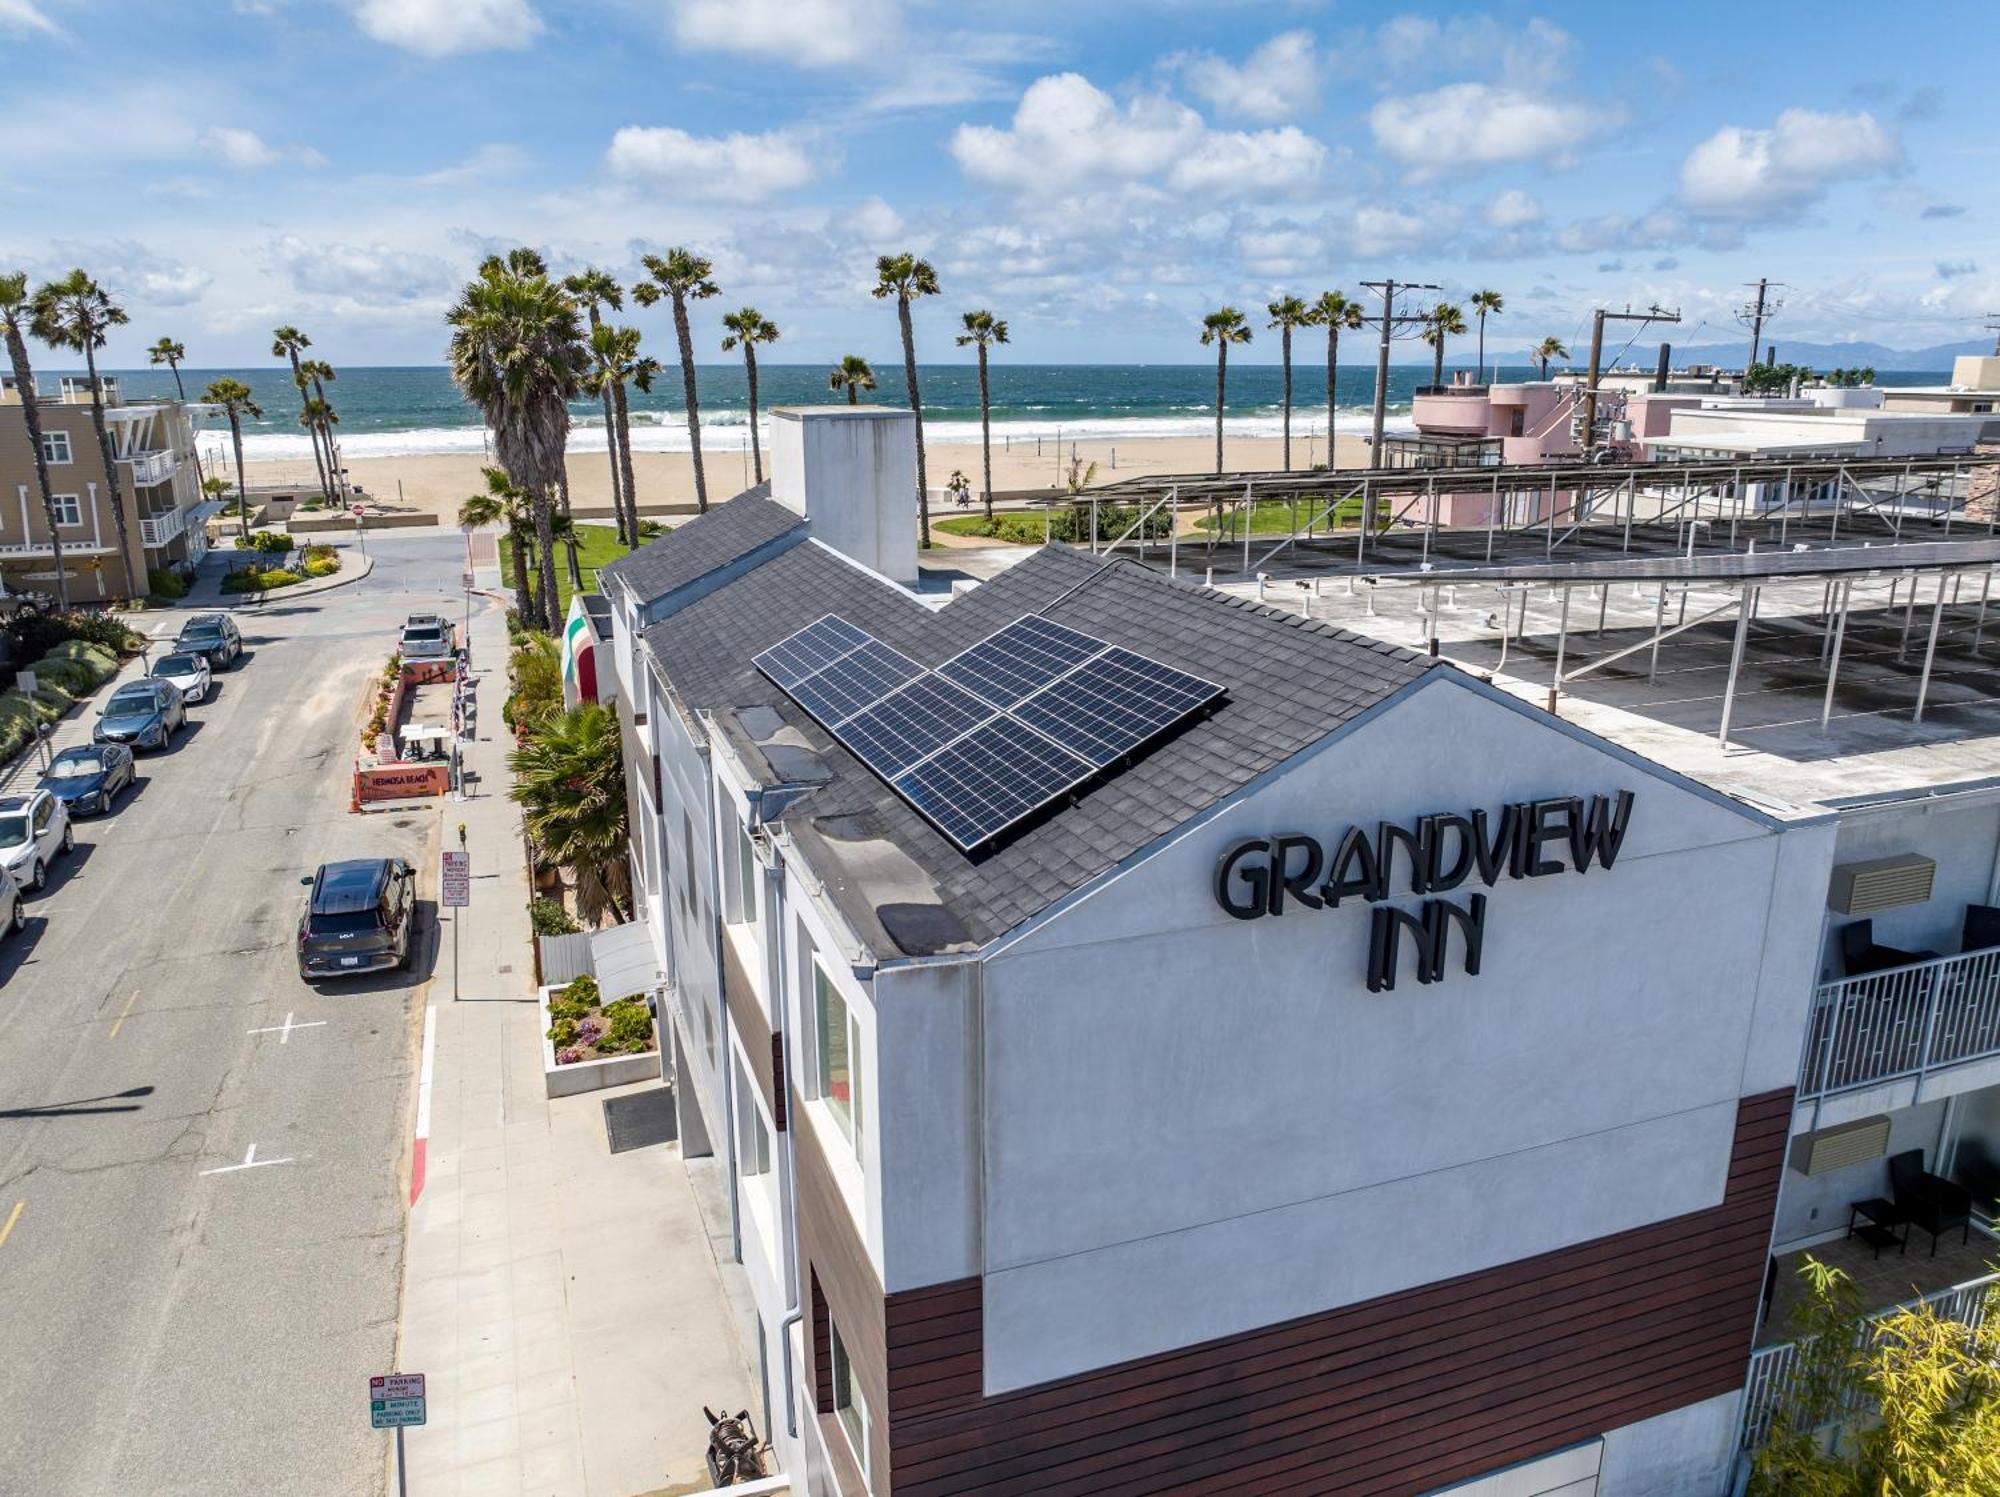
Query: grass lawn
<point x="1275" y="516"/>
<point x="596" y="546"/>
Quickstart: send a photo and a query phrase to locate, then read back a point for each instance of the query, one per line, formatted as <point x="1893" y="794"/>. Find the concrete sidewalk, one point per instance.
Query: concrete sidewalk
<point x="564" y="1302"/>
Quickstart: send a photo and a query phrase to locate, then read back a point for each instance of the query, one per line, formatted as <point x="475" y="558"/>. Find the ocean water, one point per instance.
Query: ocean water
<point x="395" y="412"/>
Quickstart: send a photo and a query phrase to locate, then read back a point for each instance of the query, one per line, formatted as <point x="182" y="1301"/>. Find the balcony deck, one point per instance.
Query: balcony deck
<point x="1892" y="1279"/>
<point x="1906" y="1021"/>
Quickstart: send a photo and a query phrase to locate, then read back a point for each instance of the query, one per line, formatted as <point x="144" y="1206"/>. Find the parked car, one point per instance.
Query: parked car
<point x="34" y="832"/>
<point x="427" y="636"/>
<point x="12" y="902"/>
<point x="90" y="777"/>
<point x="188" y="670"/>
<point x="213" y="635"/>
<point x="145" y="714"/>
<point x="360" y="917"/>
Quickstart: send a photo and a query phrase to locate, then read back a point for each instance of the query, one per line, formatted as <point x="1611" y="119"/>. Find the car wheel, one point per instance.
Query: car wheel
<point x="69" y="838"/>
<point x="39" y="879"/>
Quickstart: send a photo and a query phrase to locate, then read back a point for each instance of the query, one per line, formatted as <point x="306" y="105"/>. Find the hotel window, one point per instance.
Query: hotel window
<point x="687" y="865"/>
<point x="68" y="511"/>
<point x="746" y="877"/>
<point x="848" y="1405"/>
<point x="56" y="448"/>
<point x="753" y="1139"/>
<point x="839" y="1056"/>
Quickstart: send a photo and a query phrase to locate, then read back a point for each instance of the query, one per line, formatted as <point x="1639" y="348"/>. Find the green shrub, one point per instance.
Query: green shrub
<point x="322" y="566"/>
<point x="78" y="673"/>
<point x="581" y="990"/>
<point x="550" y="918"/>
<point x="563" y="1032"/>
<point x="270" y="540"/>
<point x="628" y="1026"/>
<point x="36" y="634"/>
<point x="321" y="551"/>
<point x="253" y="580"/>
<point x="165" y="584"/>
<point x="83" y="652"/>
<point x="1069" y="523"/>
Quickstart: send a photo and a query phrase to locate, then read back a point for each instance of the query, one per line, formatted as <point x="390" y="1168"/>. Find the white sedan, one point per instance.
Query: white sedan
<point x="187" y="670"/>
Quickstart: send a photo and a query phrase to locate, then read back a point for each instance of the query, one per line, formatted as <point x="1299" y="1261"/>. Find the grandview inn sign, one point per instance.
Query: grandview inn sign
<point x="1528" y="839"/>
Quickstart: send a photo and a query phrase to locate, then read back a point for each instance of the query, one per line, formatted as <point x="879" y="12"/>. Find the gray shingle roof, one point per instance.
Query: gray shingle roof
<point x="692" y="550"/>
<point x="1290" y="682"/>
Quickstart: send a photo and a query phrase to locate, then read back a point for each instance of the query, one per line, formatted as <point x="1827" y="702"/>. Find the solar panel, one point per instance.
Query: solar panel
<point x="858" y="679"/>
<point x="813" y="648"/>
<point x="906" y="725"/>
<point x="1114" y="702"/>
<point x="975" y="788"/>
<point x="1019" y="660"/>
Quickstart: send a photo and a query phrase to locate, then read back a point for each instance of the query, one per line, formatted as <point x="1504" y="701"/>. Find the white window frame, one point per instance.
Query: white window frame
<point x="68" y="457"/>
<point x="69" y="511"/>
<point x="850" y="1115"/>
<point x="745" y="867"/>
<point x="853" y="1417"/>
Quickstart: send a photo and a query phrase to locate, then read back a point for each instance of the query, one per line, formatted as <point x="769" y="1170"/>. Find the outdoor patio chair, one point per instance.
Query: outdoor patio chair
<point x="1860" y="955"/>
<point x="1975" y="1168"/>
<point x="1929" y="1201"/>
<point x="1981" y="931"/>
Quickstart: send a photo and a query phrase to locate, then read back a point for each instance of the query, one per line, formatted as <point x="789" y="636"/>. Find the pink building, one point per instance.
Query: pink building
<point x="1469" y="425"/>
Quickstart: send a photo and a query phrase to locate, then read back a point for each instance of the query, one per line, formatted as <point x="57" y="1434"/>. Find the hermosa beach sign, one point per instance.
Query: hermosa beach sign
<point x="1440" y="852"/>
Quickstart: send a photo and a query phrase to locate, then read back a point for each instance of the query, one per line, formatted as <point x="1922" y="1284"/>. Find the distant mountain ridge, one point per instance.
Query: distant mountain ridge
<point x="1821" y="356"/>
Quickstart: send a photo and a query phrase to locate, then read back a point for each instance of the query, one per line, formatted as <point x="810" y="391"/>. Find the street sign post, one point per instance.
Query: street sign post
<point x="455" y="893"/>
<point x="396" y="1401"/>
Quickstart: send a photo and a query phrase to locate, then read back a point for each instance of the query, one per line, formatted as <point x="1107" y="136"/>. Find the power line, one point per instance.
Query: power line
<point x="1759" y="310"/>
<point x="1388" y="322"/>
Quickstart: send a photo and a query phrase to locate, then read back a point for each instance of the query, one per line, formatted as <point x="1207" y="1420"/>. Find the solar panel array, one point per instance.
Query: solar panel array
<point x="997" y="731"/>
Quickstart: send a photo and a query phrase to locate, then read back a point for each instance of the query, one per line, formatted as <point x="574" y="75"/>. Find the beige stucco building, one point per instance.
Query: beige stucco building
<point x="165" y="519"/>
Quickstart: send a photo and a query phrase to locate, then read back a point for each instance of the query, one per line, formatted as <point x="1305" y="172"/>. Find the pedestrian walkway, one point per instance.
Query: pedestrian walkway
<point x="563" y="1302"/>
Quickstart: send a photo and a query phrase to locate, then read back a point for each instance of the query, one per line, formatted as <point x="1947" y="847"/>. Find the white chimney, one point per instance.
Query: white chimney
<point x="852" y="472"/>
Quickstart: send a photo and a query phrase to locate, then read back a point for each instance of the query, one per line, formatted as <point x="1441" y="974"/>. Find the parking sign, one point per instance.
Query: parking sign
<point x="457" y="879"/>
<point x="395" y="1399"/>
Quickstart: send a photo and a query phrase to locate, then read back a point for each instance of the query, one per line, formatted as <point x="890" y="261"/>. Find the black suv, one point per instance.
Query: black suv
<point x="361" y="917"/>
<point x="211" y="634"/>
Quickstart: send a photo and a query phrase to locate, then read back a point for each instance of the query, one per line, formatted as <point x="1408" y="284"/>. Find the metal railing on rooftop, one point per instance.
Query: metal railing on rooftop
<point x="1907" y="1021"/>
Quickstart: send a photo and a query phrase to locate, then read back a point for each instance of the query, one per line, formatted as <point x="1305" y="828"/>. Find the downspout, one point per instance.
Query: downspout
<point x="725" y="1058"/>
<point x="782" y="1009"/>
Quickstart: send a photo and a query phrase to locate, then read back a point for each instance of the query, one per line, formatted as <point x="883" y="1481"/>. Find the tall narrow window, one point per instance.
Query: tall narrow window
<point x="56" y="448"/>
<point x="839" y="1056"/>
<point x="753" y="1139"/>
<point x="848" y="1404"/>
<point x="687" y="864"/>
<point x="746" y="877"/>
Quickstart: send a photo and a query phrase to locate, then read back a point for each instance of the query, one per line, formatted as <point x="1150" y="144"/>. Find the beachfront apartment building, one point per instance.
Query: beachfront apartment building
<point x="152" y="443"/>
<point x="1370" y="1083"/>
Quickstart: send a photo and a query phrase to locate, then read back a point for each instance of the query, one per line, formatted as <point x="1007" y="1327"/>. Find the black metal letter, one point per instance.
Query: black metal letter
<point x="1258" y="878"/>
<point x="1603" y="834"/>
<point x="1540" y="833"/>
<point x="1471" y="925"/>
<point x="1387" y="835"/>
<point x="1303" y="885"/>
<point x="1438" y="875"/>
<point x="1495" y="854"/>
<point x="1355" y="849"/>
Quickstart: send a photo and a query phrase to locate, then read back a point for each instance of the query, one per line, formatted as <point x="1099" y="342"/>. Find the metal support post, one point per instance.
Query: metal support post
<point x="1562" y="644"/>
<point x="1833" y="664"/>
<point x="1979" y="629"/>
<point x="1173" y="532"/>
<point x="1743" y="603"/>
<point x="1659" y="623"/>
<point x="1909" y="612"/>
<point x="1930" y="648"/>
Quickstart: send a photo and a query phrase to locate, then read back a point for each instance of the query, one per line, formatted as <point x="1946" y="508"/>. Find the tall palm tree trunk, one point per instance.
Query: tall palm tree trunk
<point x="569" y="533"/>
<point x="1332" y="369"/>
<point x="625" y="467"/>
<point x="985" y="433"/>
<point x="524" y="595"/>
<point x="312" y="430"/>
<point x="1437" y="361"/>
<point x="1482" y="345"/>
<point x="242" y="494"/>
<point x="611" y="433"/>
<point x="1221" y="380"/>
<point x="917" y="409"/>
<point x="110" y="470"/>
<point x="853" y="397"/>
<point x="336" y="480"/>
<point x="1285" y="356"/>
<point x="686" y="338"/>
<point x="545" y="557"/>
<point x="24" y="381"/>
<point x="756" y="442"/>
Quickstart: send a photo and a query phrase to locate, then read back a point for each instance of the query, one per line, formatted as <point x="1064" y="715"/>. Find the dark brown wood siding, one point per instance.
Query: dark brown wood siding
<point x="1398" y="1395"/>
<point x="845" y="1290"/>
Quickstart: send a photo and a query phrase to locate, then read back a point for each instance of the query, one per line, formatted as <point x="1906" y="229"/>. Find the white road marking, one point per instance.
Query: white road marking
<point x="250" y="1162"/>
<point x="424" y="1075"/>
<point x="284" y="1031"/>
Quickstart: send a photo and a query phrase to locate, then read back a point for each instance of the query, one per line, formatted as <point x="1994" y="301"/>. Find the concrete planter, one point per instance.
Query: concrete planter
<point x="593" y="1075"/>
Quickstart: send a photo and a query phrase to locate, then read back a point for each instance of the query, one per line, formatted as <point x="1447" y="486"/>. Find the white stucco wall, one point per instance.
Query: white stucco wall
<point x="1195" y="1125"/>
<point x="1685" y="1453"/>
<point x="853" y="473"/>
<point x="1960" y="833"/>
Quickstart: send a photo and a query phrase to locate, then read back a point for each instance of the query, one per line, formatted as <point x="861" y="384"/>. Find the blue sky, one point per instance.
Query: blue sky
<point x="1100" y="175"/>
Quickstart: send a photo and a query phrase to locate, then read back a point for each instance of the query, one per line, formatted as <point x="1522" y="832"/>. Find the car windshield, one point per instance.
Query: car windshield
<point x="13" y="830"/>
<point x="200" y="634"/>
<point x="81" y="767"/>
<point x="176" y="665"/>
<point x="130" y="699"/>
<point x="422" y="634"/>
<point x="343" y="924"/>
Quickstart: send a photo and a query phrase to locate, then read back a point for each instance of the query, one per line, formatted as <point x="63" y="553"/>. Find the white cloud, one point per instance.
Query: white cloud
<point x="26" y="16"/>
<point x="439" y="28"/>
<point x="733" y="168"/>
<point x="1418" y="46"/>
<point x="246" y="150"/>
<point x="806" y="33"/>
<point x="1069" y="134"/>
<point x="363" y="275"/>
<point x="1513" y="209"/>
<point x="875" y="219"/>
<point x="1749" y="174"/>
<point x="1277" y="81"/>
<point x="135" y="274"/>
<point x="1463" y="126"/>
<point x="1659" y="229"/>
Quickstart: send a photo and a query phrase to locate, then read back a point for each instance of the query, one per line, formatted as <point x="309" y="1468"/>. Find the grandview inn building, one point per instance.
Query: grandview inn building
<point x="1160" y="1041"/>
<point x="152" y="442"/>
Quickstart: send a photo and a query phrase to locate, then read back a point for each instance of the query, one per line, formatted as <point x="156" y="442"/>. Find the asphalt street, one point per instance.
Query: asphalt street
<point x="176" y="1322"/>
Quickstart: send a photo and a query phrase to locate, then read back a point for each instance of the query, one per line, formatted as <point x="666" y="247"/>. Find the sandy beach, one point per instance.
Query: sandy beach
<point x="438" y="483"/>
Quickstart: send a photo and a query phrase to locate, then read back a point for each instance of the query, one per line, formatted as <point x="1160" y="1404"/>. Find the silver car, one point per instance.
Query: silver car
<point x="187" y="670"/>
<point x="34" y="832"/>
<point x="16" y="914"/>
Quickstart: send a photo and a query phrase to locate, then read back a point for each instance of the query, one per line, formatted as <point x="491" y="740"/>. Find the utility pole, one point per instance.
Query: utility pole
<point x="1993" y="327"/>
<point x="1389" y="322"/>
<point x="1759" y="311"/>
<point x="1651" y="314"/>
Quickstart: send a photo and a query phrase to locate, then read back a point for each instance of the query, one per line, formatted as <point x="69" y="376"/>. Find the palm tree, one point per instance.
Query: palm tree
<point x="1222" y="328"/>
<point x="74" y="313"/>
<point x="594" y="290"/>
<point x="681" y="275"/>
<point x="505" y="504"/>
<point x="318" y="372"/>
<point x="983" y="329"/>
<point x="749" y="327"/>
<point x="170" y="353"/>
<point x="517" y="351"/>
<point x="286" y="343"/>
<point x="569" y="780"/>
<point x="1551" y="348"/>
<point x="1333" y="312"/>
<point x="234" y="398"/>
<point x="905" y="277"/>
<point x="615" y="362"/>
<point x="1288" y="312"/>
<point x="1443" y="321"/>
<point x="852" y="374"/>
<point x="1484" y="302"/>
<point x="16" y="311"/>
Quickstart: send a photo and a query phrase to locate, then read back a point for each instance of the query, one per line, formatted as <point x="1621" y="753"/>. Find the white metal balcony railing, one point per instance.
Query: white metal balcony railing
<point x="1773" y="1368"/>
<point x="157" y="530"/>
<point x="1906" y="1021"/>
<point x="149" y="468"/>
